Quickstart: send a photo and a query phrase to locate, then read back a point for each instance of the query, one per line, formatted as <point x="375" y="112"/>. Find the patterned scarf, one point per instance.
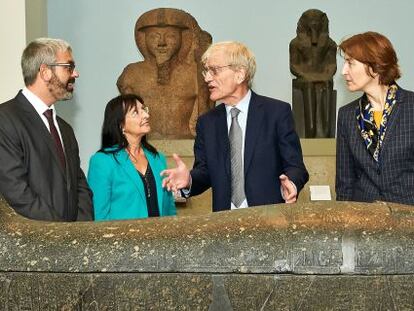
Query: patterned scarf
<point x="372" y="136"/>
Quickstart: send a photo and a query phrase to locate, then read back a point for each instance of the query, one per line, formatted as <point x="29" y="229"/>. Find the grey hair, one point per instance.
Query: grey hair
<point x="237" y="55"/>
<point x="38" y="52"/>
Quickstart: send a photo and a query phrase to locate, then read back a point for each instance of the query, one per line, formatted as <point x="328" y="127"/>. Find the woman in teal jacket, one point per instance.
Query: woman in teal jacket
<point x="124" y="174"/>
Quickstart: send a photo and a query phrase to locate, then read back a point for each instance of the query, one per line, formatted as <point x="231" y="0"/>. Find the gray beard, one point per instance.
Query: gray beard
<point x="58" y="89"/>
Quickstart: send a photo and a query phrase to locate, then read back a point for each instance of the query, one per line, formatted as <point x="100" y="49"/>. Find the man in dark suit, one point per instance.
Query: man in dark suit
<point x="246" y="148"/>
<point x="40" y="174"/>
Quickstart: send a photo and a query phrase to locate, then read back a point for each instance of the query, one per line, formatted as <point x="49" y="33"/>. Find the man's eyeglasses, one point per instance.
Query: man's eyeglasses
<point x="213" y="71"/>
<point x="69" y="66"/>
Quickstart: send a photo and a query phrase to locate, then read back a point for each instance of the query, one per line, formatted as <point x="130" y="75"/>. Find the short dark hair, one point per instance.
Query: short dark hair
<point x="114" y="118"/>
<point x="376" y="51"/>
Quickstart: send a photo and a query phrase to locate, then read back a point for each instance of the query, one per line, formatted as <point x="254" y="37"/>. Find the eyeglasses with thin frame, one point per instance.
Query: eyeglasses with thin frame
<point x="213" y="71"/>
<point x="69" y="66"/>
<point x="135" y="113"/>
<point x="145" y="109"/>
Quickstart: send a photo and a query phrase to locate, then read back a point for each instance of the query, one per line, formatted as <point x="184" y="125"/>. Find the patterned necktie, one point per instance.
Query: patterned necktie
<point x="55" y="135"/>
<point x="237" y="172"/>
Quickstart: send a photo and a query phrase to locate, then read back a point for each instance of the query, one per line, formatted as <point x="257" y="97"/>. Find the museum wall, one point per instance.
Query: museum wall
<point x="102" y="35"/>
<point x="36" y="19"/>
<point x="13" y="39"/>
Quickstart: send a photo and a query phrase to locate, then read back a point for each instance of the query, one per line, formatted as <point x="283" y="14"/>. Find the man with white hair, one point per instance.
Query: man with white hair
<point x="246" y="148"/>
<point x="40" y="173"/>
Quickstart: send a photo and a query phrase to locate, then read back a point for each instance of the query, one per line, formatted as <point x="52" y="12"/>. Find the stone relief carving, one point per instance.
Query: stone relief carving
<point x="169" y="78"/>
<point x="313" y="62"/>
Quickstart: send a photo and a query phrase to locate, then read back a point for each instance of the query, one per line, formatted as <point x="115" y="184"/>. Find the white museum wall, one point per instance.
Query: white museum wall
<point x="13" y="39"/>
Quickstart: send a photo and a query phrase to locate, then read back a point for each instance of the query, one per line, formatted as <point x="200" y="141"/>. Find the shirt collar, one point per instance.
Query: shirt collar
<point x="36" y="102"/>
<point x="242" y="105"/>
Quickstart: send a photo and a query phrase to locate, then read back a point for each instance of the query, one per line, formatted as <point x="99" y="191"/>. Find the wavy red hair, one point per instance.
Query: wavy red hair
<point x="376" y="51"/>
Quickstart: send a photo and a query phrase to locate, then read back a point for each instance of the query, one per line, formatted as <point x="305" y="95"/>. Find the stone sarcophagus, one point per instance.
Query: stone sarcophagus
<point x="319" y="256"/>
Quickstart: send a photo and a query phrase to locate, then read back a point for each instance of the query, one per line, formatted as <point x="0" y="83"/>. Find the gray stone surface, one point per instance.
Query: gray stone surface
<point x="171" y="291"/>
<point x="321" y="256"/>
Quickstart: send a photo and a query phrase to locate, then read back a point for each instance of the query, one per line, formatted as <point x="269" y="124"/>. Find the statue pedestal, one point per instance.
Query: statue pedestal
<point x="197" y="205"/>
<point x="318" y="154"/>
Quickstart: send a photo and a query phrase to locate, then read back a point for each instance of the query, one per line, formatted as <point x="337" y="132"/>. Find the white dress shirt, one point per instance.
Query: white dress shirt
<point x="40" y="108"/>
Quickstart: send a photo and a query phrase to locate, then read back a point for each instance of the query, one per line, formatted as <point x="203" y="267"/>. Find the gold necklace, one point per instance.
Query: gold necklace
<point x="131" y="156"/>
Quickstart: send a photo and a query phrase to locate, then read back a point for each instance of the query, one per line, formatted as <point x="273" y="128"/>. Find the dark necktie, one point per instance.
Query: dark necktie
<point x="55" y="135"/>
<point x="237" y="172"/>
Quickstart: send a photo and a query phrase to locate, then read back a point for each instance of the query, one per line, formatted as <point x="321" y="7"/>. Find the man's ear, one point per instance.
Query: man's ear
<point x="45" y="72"/>
<point x="240" y="75"/>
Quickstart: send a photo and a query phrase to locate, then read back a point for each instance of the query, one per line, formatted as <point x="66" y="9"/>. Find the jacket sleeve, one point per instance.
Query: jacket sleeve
<point x="291" y="151"/>
<point x="200" y="177"/>
<point x="169" y="204"/>
<point x="169" y="208"/>
<point x="85" y="207"/>
<point x="14" y="185"/>
<point x="100" y="181"/>
<point x="345" y="167"/>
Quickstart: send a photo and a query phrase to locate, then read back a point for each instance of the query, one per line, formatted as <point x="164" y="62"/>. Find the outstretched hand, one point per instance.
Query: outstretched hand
<point x="176" y="178"/>
<point x="288" y="189"/>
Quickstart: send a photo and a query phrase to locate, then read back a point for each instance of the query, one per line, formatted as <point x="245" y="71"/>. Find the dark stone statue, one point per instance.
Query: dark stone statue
<point x="169" y="79"/>
<point x="313" y="62"/>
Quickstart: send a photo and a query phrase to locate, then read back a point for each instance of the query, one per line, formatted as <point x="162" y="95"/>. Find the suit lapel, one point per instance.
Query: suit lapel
<point x="392" y="122"/>
<point x="35" y="122"/>
<point x="131" y="172"/>
<point x="254" y="121"/>
<point x="223" y="137"/>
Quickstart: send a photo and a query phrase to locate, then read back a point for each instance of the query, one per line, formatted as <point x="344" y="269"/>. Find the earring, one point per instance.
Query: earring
<point x="123" y="131"/>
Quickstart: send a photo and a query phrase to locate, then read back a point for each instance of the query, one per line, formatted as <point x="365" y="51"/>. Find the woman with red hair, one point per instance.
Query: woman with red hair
<point x="375" y="133"/>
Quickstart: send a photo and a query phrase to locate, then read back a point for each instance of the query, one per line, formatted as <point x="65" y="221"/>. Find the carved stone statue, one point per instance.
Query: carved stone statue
<point x="169" y="79"/>
<point x="313" y="62"/>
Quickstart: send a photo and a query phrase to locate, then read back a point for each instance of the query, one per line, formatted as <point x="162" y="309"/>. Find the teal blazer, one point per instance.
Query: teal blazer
<point x="118" y="191"/>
